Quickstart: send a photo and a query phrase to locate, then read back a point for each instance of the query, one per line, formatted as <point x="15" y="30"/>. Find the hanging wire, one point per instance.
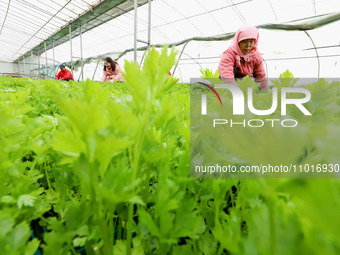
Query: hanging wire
<point x="200" y="14"/>
<point x="16" y="31"/>
<point x="89" y="4"/>
<point x="321" y="21"/>
<point x="118" y="39"/>
<point x="180" y="73"/>
<point x="323" y="47"/>
<point x="145" y="23"/>
<point x="194" y="59"/>
<point x="186" y="18"/>
<point x="42" y="26"/>
<point x="336" y="62"/>
<point x="171" y="23"/>
<point x="28" y="7"/>
<point x="180" y="55"/>
<point x="268" y="59"/>
<point x="265" y="63"/>
<point x="316" y="51"/>
<point x="311" y="25"/>
<point x="106" y="17"/>
<point x="314" y="7"/>
<point x="212" y="16"/>
<point x="271" y="6"/>
<point x="236" y="10"/>
<point x="9" y="3"/>
<point x="279" y="26"/>
<point x="23" y="19"/>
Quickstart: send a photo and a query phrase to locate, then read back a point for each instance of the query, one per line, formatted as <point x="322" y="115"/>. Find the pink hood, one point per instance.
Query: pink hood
<point x="246" y="32"/>
<point x="251" y="64"/>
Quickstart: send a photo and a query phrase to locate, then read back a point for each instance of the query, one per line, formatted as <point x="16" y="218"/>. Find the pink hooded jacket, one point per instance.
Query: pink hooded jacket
<point x="250" y="64"/>
<point x="113" y="76"/>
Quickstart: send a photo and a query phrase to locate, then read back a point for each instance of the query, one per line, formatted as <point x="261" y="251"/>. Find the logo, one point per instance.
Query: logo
<point x="238" y="103"/>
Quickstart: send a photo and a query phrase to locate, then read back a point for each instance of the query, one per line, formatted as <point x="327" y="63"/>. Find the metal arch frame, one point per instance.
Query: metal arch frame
<point x="236" y="10"/>
<point x="70" y="40"/>
<point x="271" y="6"/>
<point x="288" y="26"/>
<point x="194" y="59"/>
<point x="93" y="14"/>
<point x="304" y="27"/>
<point x="186" y="18"/>
<point x="42" y="27"/>
<point x="98" y="10"/>
<point x="265" y="63"/>
<point x="80" y="34"/>
<point x="180" y="55"/>
<point x="65" y="6"/>
<point x="222" y="37"/>
<point x="9" y="3"/>
<point x="216" y="38"/>
<point x="149" y="29"/>
<point x="316" y="52"/>
<point x="212" y="16"/>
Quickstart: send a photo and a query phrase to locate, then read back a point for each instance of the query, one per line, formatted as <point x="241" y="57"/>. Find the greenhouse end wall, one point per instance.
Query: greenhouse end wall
<point x="7" y="68"/>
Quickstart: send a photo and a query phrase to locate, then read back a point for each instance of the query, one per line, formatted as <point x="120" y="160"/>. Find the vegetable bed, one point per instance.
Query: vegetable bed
<point x="99" y="168"/>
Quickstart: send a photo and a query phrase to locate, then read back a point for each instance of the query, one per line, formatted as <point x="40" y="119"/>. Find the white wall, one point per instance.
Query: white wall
<point x="7" y="68"/>
<point x="28" y="67"/>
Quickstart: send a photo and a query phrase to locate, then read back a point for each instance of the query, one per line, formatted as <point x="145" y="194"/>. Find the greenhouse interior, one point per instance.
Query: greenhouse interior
<point x="110" y="144"/>
<point x="35" y="37"/>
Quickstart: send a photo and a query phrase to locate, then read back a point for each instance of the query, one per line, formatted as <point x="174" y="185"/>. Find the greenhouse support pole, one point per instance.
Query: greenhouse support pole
<point x="38" y="66"/>
<point x="148" y="42"/>
<point x="149" y="32"/>
<point x="46" y="60"/>
<point x="95" y="70"/>
<point x="31" y="61"/>
<point x="24" y="66"/>
<point x="54" y="73"/>
<point x="180" y="55"/>
<point x="81" y="53"/>
<point x="135" y="32"/>
<point x="131" y="205"/>
<point x="70" y="32"/>
<point x="18" y="63"/>
<point x="149" y="24"/>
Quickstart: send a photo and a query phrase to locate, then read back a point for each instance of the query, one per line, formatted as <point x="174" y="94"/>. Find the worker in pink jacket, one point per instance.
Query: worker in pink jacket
<point x="242" y="58"/>
<point x="112" y="72"/>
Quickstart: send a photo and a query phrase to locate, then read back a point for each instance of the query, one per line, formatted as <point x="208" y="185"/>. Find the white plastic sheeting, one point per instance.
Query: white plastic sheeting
<point x="26" y="23"/>
<point x="176" y="20"/>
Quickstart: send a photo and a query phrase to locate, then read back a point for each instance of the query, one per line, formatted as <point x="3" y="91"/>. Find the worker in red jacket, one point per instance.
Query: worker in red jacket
<point x="64" y="74"/>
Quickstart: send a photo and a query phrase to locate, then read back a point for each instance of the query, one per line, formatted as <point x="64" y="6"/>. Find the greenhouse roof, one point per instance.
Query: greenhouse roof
<point x="289" y="30"/>
<point x="27" y="25"/>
